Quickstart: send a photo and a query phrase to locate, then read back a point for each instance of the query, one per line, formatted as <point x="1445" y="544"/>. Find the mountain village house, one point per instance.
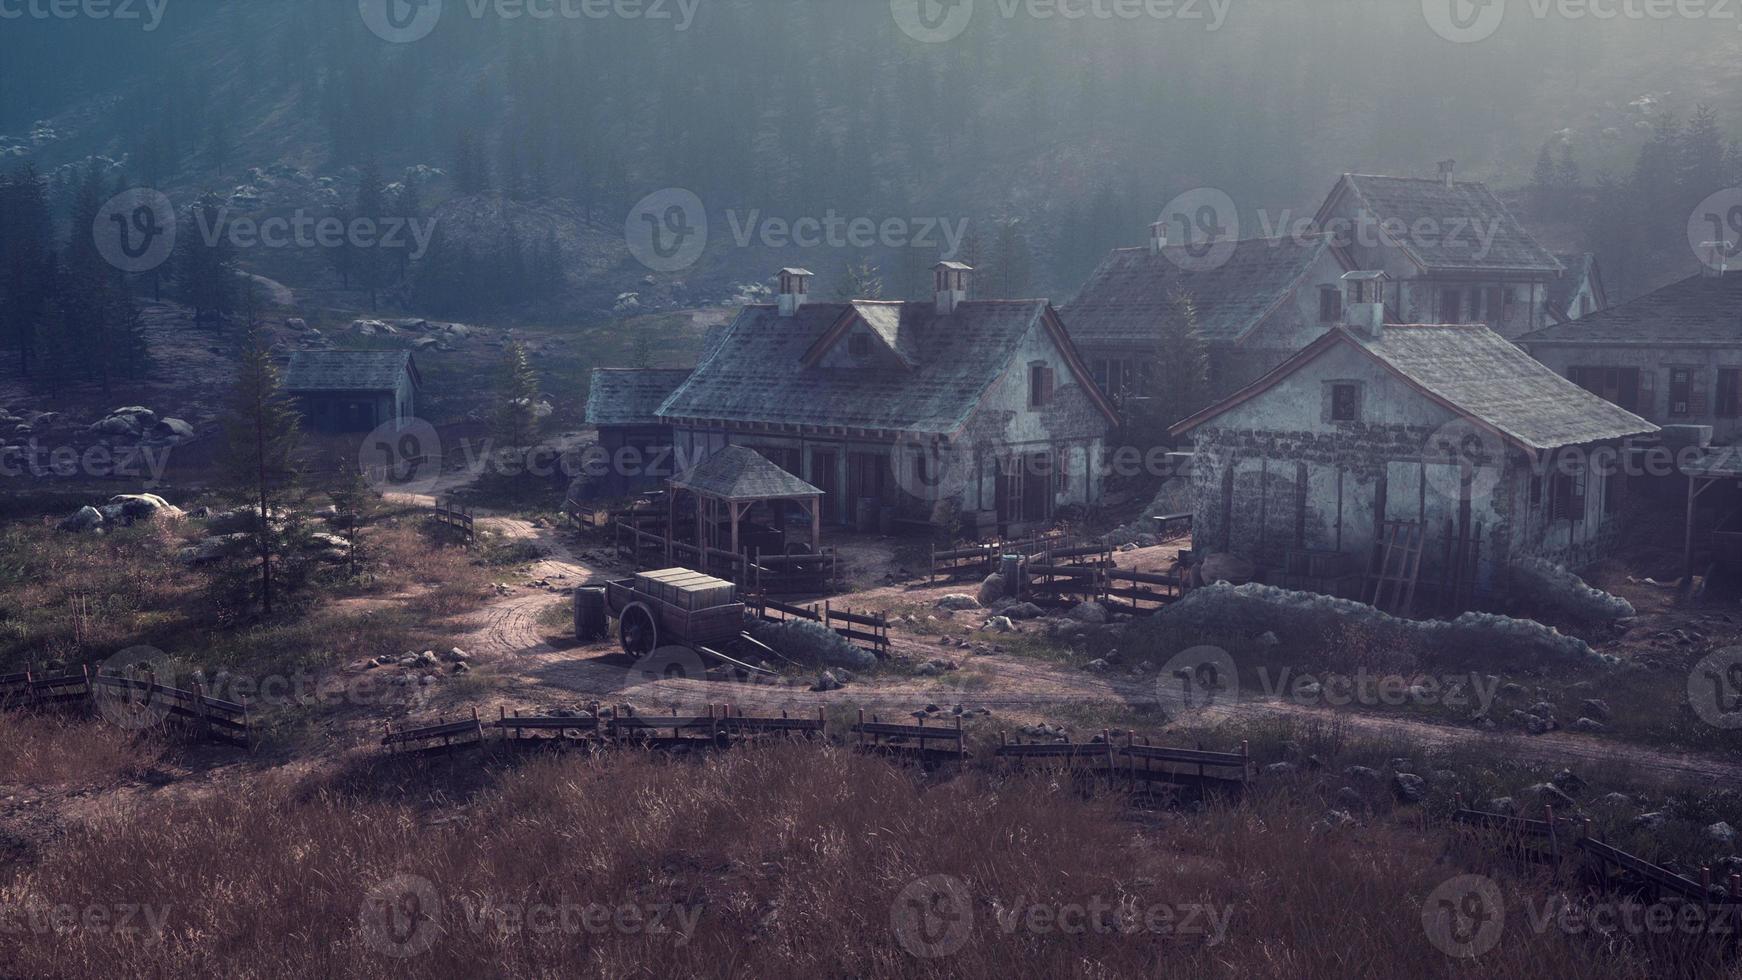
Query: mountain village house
<point x="1475" y="452"/>
<point x="1454" y="253"/>
<point x="1673" y="356"/>
<point x="893" y="408"/>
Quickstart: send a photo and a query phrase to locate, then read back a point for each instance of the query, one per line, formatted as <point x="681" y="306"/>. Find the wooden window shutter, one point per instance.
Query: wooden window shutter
<point x="1697" y="401"/>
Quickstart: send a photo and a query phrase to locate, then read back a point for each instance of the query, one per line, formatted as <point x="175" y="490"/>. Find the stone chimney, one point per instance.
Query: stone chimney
<point x="795" y="285"/>
<point x="951" y="282"/>
<point x="1364" y="303"/>
<point x="1157" y="237"/>
<point x="1447" y="168"/>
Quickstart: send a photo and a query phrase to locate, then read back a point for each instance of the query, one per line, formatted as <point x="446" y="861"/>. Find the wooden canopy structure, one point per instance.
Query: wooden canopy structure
<point x="727" y="485"/>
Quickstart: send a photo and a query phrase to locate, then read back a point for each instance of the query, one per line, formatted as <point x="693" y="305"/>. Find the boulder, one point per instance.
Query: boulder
<point x="1721" y="833"/>
<point x="1408" y="787"/>
<point x="84" y="519"/>
<point x="992" y="589"/>
<point x="1549" y="793"/>
<point x="1089" y="612"/>
<point x="1023" y="610"/>
<point x="957" y="601"/>
<point x="172" y="429"/>
<point x="144" y="506"/>
<point x="117" y="425"/>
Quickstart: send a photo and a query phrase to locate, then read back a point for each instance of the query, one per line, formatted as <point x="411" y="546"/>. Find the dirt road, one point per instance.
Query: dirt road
<point x="507" y="637"/>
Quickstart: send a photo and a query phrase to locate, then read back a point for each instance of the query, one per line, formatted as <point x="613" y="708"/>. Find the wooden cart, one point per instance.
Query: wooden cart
<point x="679" y="607"/>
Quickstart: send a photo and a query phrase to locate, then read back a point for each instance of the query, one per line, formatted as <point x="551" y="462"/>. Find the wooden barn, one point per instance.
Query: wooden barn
<point x="350" y="391"/>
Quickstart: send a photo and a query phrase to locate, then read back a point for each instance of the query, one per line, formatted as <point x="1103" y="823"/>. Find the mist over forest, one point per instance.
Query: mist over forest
<point x="1054" y="138"/>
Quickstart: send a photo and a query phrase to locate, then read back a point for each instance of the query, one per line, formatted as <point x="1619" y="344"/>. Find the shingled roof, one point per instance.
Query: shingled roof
<point x="738" y="473"/>
<point x="1127" y="296"/>
<point x="1477" y="374"/>
<point x="1705" y="309"/>
<point x="760" y="374"/>
<point x="348" y="370"/>
<point x="1459" y="214"/>
<point x="630" y="396"/>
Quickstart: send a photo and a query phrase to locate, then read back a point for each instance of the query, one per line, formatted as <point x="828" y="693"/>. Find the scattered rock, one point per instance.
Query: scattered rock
<point x="1721" y="833"/>
<point x="1409" y="787"/>
<point x="957" y="602"/>
<point x="992" y="589"/>
<point x="1089" y="612"/>
<point x="85" y="519"/>
<point x="1023" y="610"/>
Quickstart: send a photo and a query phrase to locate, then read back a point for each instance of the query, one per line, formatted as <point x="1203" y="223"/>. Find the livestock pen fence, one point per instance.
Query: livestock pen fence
<point x="132" y="699"/>
<point x="1053" y="569"/>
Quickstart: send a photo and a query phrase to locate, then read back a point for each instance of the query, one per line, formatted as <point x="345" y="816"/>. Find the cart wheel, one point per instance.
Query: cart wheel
<point x="638" y="630"/>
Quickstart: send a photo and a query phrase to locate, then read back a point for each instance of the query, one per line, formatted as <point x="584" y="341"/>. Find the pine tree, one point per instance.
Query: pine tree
<point x="369" y="263"/>
<point x="262" y="432"/>
<point x="206" y="268"/>
<point x="28" y="266"/>
<point x="516" y="425"/>
<point x="862" y="281"/>
<point x="1542" y="182"/>
<point x="1177" y="382"/>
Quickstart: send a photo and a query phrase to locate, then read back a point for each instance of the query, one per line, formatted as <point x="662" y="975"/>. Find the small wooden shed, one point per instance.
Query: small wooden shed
<point x="728" y="484"/>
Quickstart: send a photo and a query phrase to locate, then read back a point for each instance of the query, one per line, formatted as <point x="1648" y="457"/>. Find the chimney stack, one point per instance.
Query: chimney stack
<point x="951" y="282"/>
<point x="1447" y="168"/>
<point x="795" y="284"/>
<point x="1157" y="237"/>
<point x="1364" y="303"/>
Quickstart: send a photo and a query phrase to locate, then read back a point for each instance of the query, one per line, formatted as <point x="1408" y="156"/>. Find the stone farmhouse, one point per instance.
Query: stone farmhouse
<point x="1673" y="356"/>
<point x="1453" y="251"/>
<point x="1267" y="299"/>
<point x="1450" y="428"/>
<point x="963" y="410"/>
<point x="634" y="442"/>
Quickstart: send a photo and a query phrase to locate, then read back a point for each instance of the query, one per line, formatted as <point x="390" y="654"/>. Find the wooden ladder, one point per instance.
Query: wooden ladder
<point x="1399" y="567"/>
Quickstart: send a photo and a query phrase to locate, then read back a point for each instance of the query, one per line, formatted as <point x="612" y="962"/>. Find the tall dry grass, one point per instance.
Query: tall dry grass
<point x="797" y="861"/>
<point x="53" y="750"/>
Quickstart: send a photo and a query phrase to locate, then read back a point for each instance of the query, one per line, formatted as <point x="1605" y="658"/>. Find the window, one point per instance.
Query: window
<point x="1681" y="393"/>
<point x="1619" y="385"/>
<point x="1345" y="403"/>
<point x="1039" y="386"/>
<point x="1567" y="496"/>
<point x="1729" y="392"/>
<point x="1330" y="304"/>
<point x="1451" y="305"/>
<point x="1497" y="305"/>
<point x="859" y="345"/>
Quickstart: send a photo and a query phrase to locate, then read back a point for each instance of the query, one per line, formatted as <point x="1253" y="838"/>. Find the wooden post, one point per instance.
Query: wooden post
<point x="1688" y="539"/>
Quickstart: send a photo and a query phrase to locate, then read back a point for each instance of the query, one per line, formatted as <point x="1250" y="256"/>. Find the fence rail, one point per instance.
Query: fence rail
<point x="460" y="518"/>
<point x="140" y="696"/>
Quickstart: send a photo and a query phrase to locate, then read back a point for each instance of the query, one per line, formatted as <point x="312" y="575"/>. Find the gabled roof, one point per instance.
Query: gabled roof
<point x="1459" y="215"/>
<point x="1705" y="309"/>
<point x="1475" y="373"/>
<point x="738" y="473"/>
<point x="1581" y="271"/>
<point x="349" y="370"/>
<point x="1127" y="296"/>
<point x="630" y="397"/>
<point x="764" y="371"/>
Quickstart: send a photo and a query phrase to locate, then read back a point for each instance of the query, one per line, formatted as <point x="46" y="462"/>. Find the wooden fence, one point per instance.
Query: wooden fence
<point x="983" y="559"/>
<point x="1137" y="763"/>
<point x="1554" y="840"/>
<point x="868" y="631"/>
<point x="138" y="696"/>
<point x="458" y="517"/>
<point x="720" y="727"/>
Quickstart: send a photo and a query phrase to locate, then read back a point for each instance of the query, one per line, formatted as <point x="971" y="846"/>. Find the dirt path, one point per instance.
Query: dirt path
<point x="507" y="637"/>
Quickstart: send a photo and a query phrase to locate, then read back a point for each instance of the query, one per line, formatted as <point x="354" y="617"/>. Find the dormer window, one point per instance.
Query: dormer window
<point x="859" y="345"/>
<point x="1330" y="304"/>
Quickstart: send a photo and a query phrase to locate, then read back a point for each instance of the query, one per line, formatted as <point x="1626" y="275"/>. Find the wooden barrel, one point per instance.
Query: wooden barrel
<point x="592" y="622"/>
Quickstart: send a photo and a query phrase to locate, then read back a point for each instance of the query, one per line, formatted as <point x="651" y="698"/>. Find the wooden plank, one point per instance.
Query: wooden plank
<point x="927" y="732"/>
<point x="1157" y="753"/>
